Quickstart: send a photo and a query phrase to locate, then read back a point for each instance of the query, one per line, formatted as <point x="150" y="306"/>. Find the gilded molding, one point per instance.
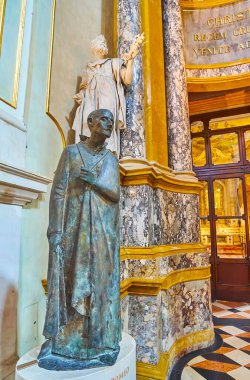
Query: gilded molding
<point x="219" y="65"/>
<point x="158" y="251"/>
<point x="154" y="83"/>
<point x="200" y="4"/>
<point x="152" y="287"/>
<point x="13" y="103"/>
<point x="49" y="75"/>
<point x="218" y="83"/>
<point x="2" y="15"/>
<point x="146" y="371"/>
<point x="136" y="172"/>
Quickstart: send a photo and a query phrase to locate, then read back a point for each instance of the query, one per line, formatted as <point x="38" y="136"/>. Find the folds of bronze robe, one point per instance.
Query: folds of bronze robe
<point x="83" y="311"/>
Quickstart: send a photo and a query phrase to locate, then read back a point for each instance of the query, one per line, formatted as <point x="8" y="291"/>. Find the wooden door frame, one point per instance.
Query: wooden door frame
<point x="211" y="172"/>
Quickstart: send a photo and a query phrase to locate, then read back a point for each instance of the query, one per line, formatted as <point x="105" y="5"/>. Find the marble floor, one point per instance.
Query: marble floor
<point x="232" y="359"/>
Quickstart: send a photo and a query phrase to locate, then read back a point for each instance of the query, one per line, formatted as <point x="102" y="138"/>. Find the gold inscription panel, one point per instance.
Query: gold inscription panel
<point x="217" y="35"/>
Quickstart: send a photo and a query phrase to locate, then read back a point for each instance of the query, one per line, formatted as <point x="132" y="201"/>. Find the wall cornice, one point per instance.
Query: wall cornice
<point x="152" y="287"/>
<point x="8" y="118"/>
<point x="136" y="172"/>
<point x="19" y="187"/>
<point x="158" y="251"/>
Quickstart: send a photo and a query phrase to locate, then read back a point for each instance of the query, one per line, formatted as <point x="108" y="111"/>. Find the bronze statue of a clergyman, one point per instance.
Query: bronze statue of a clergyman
<point x="82" y="325"/>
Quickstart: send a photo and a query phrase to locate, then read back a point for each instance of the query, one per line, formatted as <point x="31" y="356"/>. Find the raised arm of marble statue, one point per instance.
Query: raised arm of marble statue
<point x="127" y="70"/>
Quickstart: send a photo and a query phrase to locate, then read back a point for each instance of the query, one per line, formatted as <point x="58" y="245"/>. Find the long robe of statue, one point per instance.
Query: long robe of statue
<point x="83" y="311"/>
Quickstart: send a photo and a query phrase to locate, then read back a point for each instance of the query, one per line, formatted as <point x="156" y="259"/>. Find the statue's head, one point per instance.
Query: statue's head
<point x="101" y="122"/>
<point x="99" y="46"/>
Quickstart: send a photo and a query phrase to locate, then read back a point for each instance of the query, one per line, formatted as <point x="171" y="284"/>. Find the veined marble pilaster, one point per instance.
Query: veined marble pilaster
<point x="129" y="25"/>
<point x="159" y="214"/>
<point x="136" y="216"/>
<point x="176" y="88"/>
<point x="176" y="218"/>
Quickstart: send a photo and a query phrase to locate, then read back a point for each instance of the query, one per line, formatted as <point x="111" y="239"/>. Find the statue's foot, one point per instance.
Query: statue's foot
<point x="54" y="362"/>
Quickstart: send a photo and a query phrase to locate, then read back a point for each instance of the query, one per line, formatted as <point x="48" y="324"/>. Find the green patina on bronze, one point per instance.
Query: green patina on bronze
<point x="82" y="323"/>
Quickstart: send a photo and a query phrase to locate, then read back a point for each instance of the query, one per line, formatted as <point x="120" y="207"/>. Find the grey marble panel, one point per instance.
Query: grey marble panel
<point x="124" y="313"/>
<point x="152" y="269"/>
<point x="187" y="260"/>
<point x="136" y="216"/>
<point x="186" y="308"/>
<point x="145" y="326"/>
<point x="175" y="218"/>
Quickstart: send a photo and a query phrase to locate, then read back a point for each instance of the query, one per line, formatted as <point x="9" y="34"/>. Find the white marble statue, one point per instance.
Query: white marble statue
<point x="102" y="86"/>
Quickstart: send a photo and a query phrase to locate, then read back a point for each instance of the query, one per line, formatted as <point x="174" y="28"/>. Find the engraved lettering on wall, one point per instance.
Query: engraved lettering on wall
<point x="217" y="35"/>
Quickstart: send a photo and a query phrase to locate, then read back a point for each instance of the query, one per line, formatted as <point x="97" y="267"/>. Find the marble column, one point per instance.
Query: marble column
<point x="179" y="139"/>
<point x="129" y="25"/>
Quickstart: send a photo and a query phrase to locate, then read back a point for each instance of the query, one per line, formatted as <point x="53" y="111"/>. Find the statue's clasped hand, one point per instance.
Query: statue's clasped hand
<point x="87" y="176"/>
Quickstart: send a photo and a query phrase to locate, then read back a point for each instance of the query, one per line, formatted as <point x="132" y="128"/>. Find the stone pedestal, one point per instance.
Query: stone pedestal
<point x="124" y="368"/>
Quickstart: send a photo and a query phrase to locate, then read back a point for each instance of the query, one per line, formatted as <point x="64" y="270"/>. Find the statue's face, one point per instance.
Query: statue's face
<point x="100" y="51"/>
<point x="103" y="123"/>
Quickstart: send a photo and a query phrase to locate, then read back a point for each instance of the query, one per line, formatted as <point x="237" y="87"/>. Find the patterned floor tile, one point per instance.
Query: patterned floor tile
<point x="243" y="335"/>
<point x="213" y="375"/>
<point x="221" y="306"/>
<point x="247" y="348"/>
<point x="224" y="350"/>
<point x="244" y="314"/>
<point x="224" y="336"/>
<point x="239" y="357"/>
<point x="190" y="374"/>
<point x="216" y="366"/>
<point x="232" y="330"/>
<point x="218" y="327"/>
<point x="232" y="359"/>
<point x="221" y="314"/>
<point x="235" y="342"/>
<point x="232" y="304"/>
<point x="220" y="358"/>
<point x="216" y="309"/>
<point x="196" y="360"/>
<point x="245" y="308"/>
<point x="241" y="373"/>
<point x="234" y="315"/>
